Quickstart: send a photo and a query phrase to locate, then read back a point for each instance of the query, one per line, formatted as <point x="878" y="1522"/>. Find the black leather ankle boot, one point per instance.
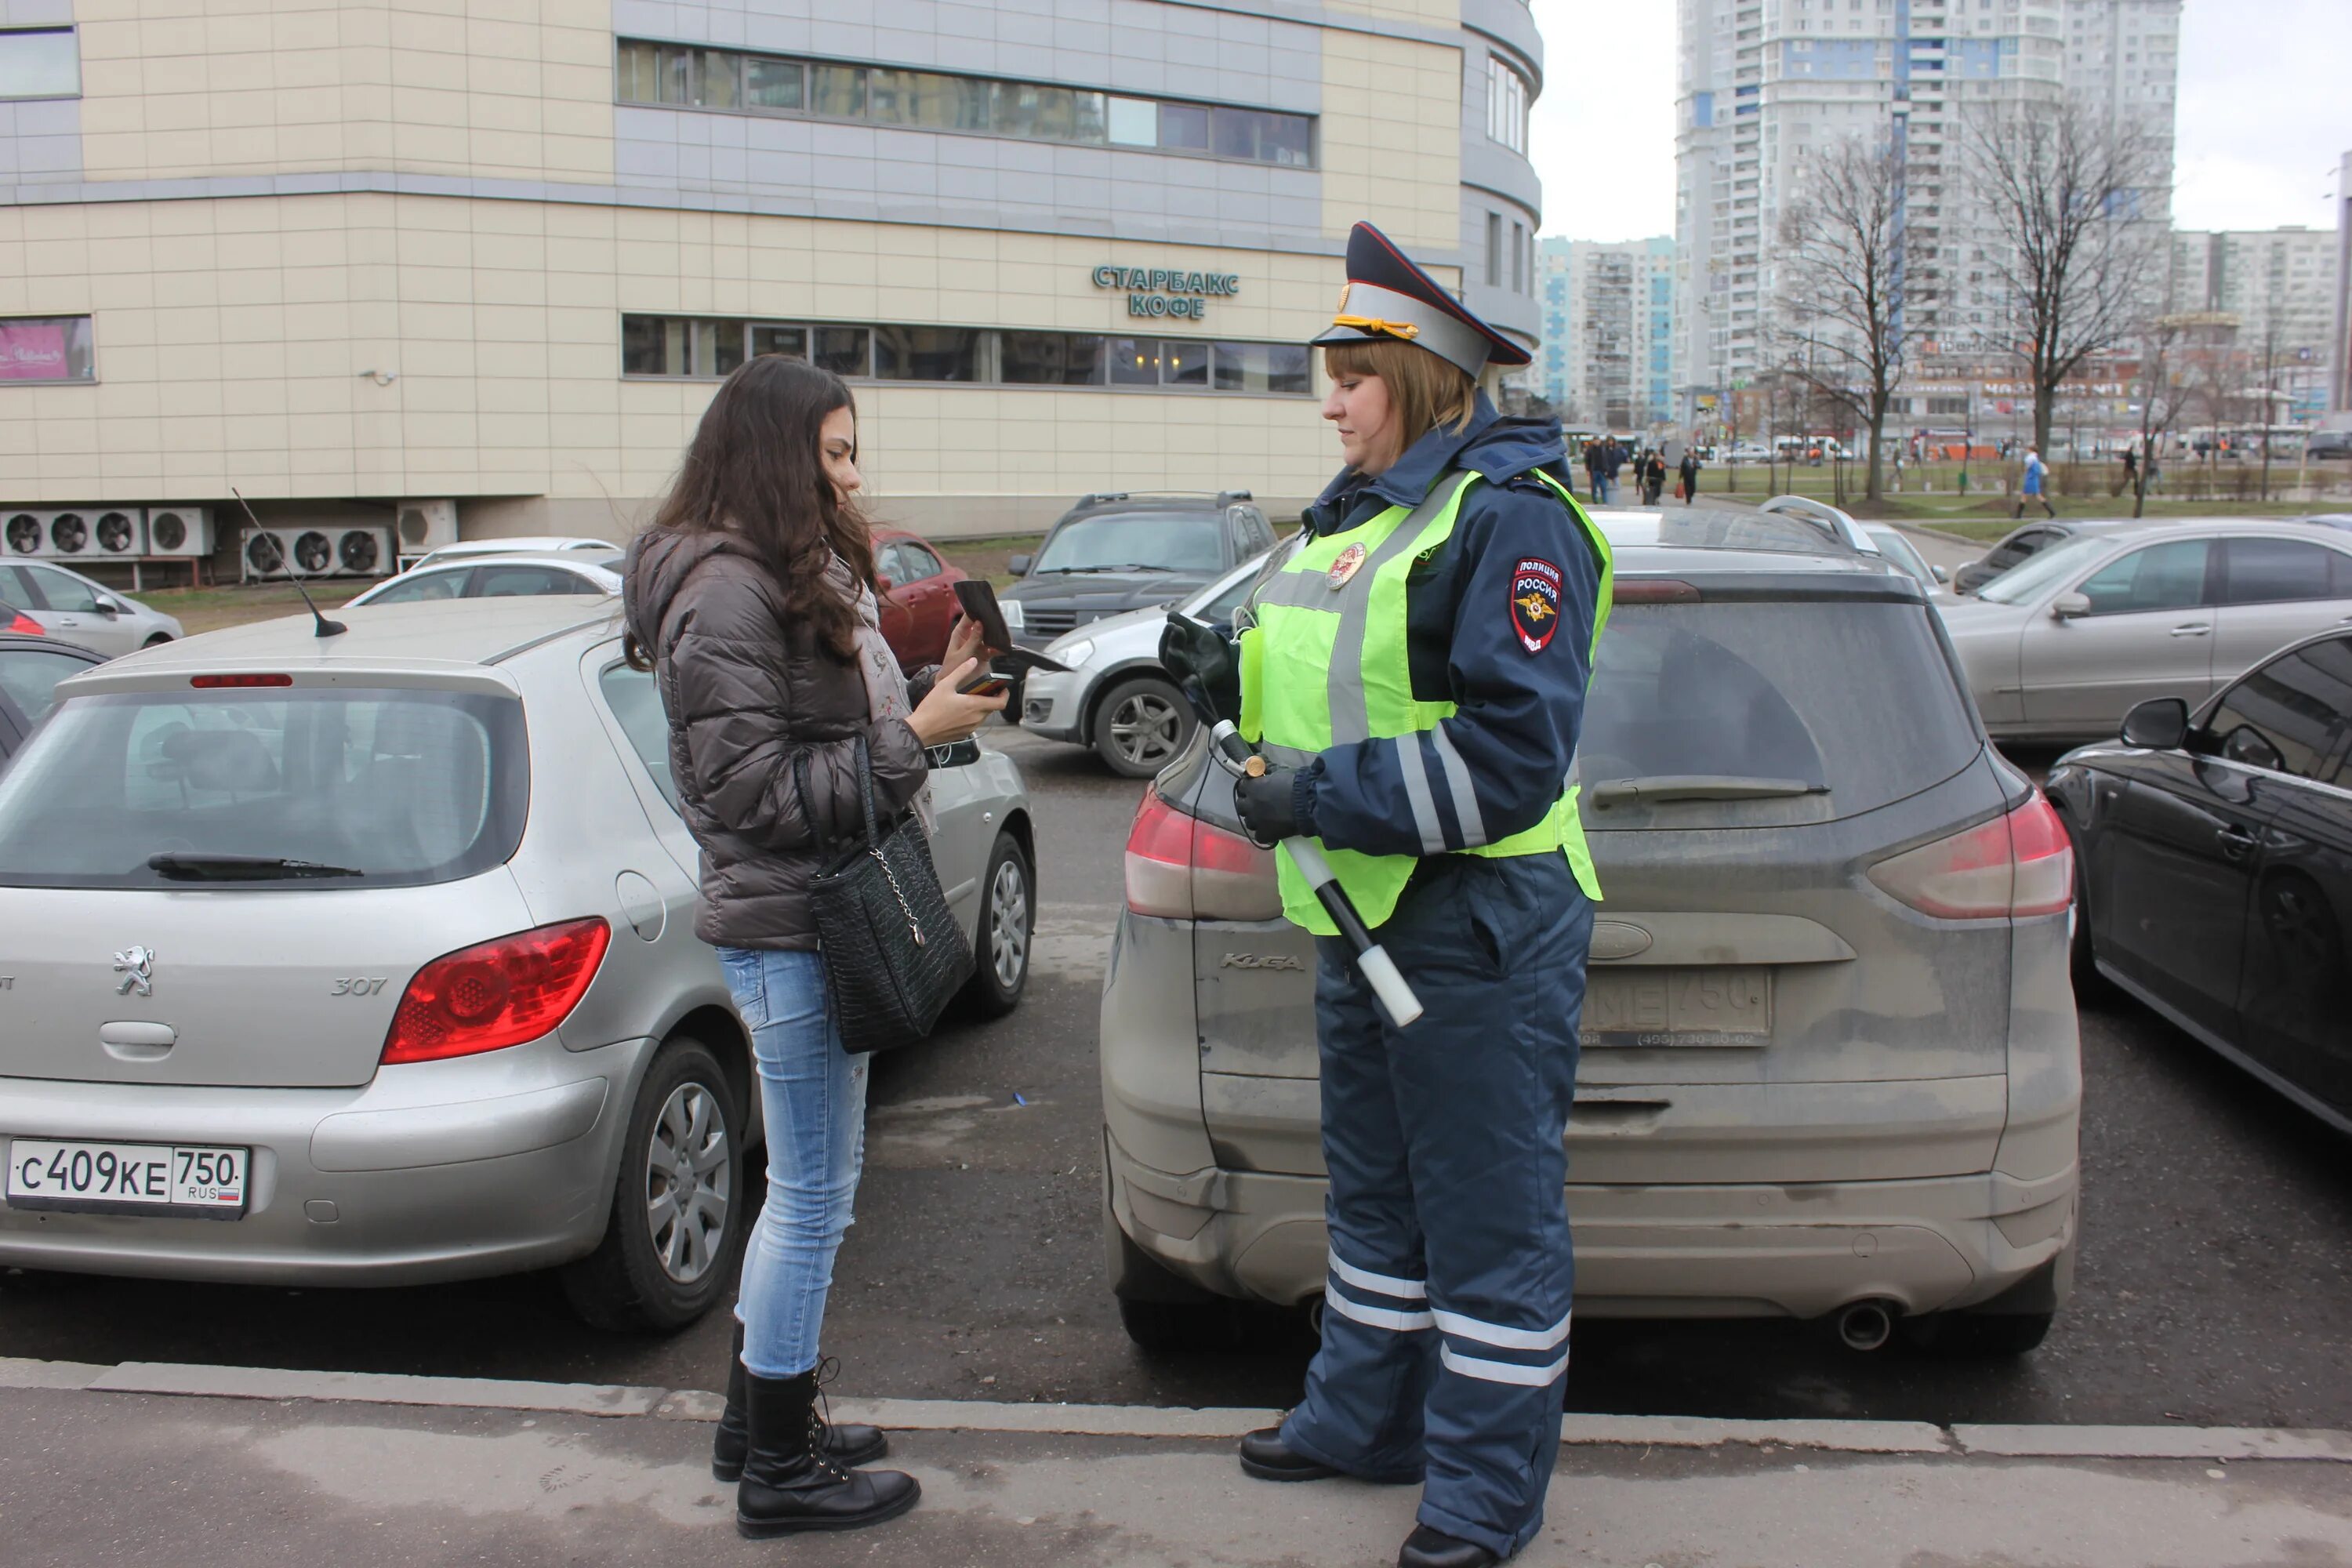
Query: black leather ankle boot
<point x="848" y="1445"/>
<point x="1430" y="1548"/>
<point x="788" y="1484"/>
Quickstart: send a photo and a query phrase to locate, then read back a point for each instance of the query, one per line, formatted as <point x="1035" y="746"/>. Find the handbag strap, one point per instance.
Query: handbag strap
<point x="817" y="834"/>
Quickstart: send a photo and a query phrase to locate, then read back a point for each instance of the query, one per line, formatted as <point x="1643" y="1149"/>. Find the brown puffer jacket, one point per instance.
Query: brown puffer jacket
<point x="746" y="692"/>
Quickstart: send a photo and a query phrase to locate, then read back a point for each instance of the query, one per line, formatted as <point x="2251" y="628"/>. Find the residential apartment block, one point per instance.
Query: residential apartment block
<point x="2277" y="287"/>
<point x="478" y="265"/>
<point x="1764" y="83"/>
<point x="1608" y="314"/>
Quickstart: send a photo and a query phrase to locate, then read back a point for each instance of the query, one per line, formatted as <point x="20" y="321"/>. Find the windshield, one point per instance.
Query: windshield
<point x="1747" y="713"/>
<point x="2033" y="575"/>
<point x="401" y="787"/>
<point x="1146" y="541"/>
<point x="1898" y="550"/>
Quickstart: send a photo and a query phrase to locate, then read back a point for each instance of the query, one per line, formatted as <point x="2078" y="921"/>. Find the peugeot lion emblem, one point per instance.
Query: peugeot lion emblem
<point x="137" y="967"/>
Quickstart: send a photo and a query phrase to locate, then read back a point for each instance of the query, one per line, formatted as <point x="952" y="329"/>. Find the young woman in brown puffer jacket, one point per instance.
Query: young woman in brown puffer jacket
<point x="751" y="597"/>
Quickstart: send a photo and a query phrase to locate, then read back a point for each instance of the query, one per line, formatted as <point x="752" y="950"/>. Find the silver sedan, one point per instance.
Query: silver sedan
<point x="2058" y="647"/>
<point x="72" y="608"/>
<point x="370" y="960"/>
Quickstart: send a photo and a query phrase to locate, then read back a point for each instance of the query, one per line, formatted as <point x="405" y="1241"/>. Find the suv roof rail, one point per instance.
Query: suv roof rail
<point x="1104" y="498"/>
<point x="1839" y="525"/>
<point x="1101" y="497"/>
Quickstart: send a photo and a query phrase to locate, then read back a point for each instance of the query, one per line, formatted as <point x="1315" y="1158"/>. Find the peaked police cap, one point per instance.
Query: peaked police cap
<point x="1387" y="296"/>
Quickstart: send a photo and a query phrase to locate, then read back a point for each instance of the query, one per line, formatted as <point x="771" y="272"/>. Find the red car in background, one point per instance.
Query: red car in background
<point x="918" y="596"/>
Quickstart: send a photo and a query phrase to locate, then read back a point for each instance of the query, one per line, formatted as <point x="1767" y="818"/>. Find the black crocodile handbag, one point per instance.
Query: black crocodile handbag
<point x="894" y="955"/>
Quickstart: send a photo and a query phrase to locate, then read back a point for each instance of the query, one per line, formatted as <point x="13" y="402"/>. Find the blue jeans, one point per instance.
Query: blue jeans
<point x="814" y="1095"/>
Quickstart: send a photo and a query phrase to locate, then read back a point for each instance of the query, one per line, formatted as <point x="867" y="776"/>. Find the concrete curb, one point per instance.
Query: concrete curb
<point x="1873" y="1437"/>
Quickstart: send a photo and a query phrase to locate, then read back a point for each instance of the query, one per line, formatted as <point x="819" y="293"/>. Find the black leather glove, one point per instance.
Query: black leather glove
<point x="1195" y="652"/>
<point x="1268" y="805"/>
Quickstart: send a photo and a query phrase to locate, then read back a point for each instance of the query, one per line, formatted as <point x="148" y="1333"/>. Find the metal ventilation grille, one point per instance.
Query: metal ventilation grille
<point x="70" y="534"/>
<point x="169" y="531"/>
<point x="116" y="533"/>
<point x="359" y="552"/>
<point x="24" y="532"/>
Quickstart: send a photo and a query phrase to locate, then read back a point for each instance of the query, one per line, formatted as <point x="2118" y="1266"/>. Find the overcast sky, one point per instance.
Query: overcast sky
<point x="2264" y="114"/>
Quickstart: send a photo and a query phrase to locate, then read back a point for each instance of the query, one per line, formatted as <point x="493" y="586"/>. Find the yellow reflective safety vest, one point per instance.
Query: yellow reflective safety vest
<point x="1342" y="673"/>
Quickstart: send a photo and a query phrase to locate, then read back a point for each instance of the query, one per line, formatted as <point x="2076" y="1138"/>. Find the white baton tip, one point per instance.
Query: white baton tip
<point x="1388" y="986"/>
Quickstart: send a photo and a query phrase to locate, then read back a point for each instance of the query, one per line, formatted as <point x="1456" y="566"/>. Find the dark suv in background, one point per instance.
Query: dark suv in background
<point x="1115" y="553"/>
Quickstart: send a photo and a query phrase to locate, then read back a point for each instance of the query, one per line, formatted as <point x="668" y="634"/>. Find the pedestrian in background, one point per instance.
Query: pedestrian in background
<point x="1613" y="461"/>
<point x="751" y="599"/>
<point x="1596" y="456"/>
<point x="2037" y="474"/>
<point x="1425" y="751"/>
<point x="1653" y="477"/>
<point x="1688" y="470"/>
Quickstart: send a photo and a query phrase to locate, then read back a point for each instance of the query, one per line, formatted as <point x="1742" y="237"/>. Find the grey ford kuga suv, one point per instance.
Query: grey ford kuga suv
<point x="1830" y="1063"/>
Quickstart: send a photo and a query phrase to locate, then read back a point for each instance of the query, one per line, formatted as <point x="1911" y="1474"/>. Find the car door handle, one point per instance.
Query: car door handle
<point x="2236" y="842"/>
<point x="2195" y="629"/>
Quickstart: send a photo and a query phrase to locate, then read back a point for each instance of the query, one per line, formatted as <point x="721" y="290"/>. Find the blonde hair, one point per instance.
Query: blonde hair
<point x="1426" y="392"/>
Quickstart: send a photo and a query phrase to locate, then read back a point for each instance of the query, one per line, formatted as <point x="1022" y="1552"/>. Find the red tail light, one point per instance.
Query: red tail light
<point x="1179" y="867"/>
<point x="220" y="683"/>
<point x="24" y="624"/>
<point x="2013" y="866"/>
<point x="497" y="994"/>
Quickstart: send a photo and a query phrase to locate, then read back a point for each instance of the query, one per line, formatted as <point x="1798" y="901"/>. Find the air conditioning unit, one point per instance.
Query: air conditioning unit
<point x="273" y="554"/>
<point x="69" y="536"/>
<point x="119" y="532"/>
<point x="425" y="526"/>
<point x="26" y="532"/>
<point x="179" y="531"/>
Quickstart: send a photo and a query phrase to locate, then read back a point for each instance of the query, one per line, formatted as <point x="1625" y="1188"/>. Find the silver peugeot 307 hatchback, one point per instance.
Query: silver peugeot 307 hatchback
<point x="369" y="959"/>
<point x="1830" y="1063"/>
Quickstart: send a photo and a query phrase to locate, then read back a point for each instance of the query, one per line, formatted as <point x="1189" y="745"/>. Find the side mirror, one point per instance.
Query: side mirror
<point x="1018" y="565"/>
<point x="954" y="754"/>
<point x="2069" y="606"/>
<point x="1940" y="574"/>
<point x="2158" y="724"/>
<point x="107" y="608"/>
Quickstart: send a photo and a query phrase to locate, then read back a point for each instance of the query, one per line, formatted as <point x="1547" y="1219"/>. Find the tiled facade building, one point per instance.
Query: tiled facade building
<point x="1608" y="320"/>
<point x="353" y="254"/>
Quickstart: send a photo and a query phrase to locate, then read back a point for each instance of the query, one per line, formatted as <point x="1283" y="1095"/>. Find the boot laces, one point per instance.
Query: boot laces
<point x="820" y="1425"/>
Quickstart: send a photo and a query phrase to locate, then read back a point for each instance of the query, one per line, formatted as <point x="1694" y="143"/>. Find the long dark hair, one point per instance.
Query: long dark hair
<point x="755" y="471"/>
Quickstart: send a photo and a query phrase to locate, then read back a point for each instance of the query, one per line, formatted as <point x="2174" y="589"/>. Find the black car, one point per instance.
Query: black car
<point x="30" y="669"/>
<point x="2215" y="867"/>
<point x="2030" y="540"/>
<point x="1111" y="553"/>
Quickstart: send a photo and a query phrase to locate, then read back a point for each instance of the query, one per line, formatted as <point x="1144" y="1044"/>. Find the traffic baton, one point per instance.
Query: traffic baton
<point x="1373" y="961"/>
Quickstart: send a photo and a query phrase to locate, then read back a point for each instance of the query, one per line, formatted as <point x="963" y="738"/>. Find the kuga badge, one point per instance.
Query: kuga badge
<point x="1351" y="561"/>
<point x="1535" y="602"/>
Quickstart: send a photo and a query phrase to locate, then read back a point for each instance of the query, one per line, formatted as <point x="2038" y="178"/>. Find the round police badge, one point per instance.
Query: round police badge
<point x="1350" y="560"/>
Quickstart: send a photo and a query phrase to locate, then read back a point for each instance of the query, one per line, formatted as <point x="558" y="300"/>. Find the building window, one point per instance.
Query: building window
<point x="1518" y="259"/>
<point x="679" y="77"/>
<point x="39" y="62"/>
<point x="1494" y="250"/>
<point x="707" y="348"/>
<point x="1506" y="104"/>
<point x="45" y="348"/>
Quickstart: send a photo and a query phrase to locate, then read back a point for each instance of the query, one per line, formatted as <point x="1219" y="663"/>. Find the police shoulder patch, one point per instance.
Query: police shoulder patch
<point x="1535" y="602"/>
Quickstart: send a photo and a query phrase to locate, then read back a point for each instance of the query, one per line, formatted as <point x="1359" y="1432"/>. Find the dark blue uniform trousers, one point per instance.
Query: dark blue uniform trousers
<point x="1445" y="1313"/>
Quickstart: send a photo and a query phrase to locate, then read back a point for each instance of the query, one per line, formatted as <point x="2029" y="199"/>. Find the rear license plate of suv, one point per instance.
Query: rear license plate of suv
<point x="180" y="1180"/>
<point x="1646" y="1007"/>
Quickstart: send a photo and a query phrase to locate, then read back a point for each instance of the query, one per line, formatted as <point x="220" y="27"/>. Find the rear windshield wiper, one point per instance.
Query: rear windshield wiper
<point x="1124" y="566"/>
<point x="1700" y="787"/>
<point x="241" y="868"/>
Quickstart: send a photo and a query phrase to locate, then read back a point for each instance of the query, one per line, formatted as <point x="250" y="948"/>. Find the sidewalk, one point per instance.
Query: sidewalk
<point x="198" y="1466"/>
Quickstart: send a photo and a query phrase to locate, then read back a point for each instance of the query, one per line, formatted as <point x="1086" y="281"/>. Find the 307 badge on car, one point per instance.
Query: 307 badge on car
<point x="178" y="1181"/>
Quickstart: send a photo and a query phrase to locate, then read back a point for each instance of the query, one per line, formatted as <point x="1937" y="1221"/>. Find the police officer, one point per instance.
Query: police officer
<point x="1415" y="675"/>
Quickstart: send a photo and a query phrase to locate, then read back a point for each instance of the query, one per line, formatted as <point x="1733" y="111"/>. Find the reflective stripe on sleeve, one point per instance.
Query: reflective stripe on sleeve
<point x="1386" y="1284"/>
<point x="1416" y="771"/>
<point x="1495" y="1335"/>
<point x="1499" y="1371"/>
<point x="1457" y="781"/>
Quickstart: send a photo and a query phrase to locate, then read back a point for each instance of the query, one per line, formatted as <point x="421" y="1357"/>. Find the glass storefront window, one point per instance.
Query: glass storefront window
<point x="1134" y="122"/>
<point x="927" y="354"/>
<point x="840" y="91"/>
<point x="1265" y="367"/>
<point x="790" y="341"/>
<point x="845" y="351"/>
<point x="1261" y="136"/>
<point x="1135" y="361"/>
<point x="1050" y="359"/>
<point x="1184" y="126"/>
<point x="1043" y="114"/>
<point x="638" y="73"/>
<point x="772" y="84"/>
<point x="653" y="345"/>
<point x="39" y="62"/>
<point x="1184" y="363"/>
<point x="927" y="101"/>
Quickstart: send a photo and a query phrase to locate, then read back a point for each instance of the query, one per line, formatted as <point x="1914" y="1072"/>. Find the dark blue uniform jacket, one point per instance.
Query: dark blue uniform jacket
<point x="1481" y="636"/>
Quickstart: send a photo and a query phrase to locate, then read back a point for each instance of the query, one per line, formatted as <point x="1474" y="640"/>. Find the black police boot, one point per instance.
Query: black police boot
<point x="848" y="1445"/>
<point x="1264" y="1455"/>
<point x="788" y="1485"/>
<point x="1427" y="1548"/>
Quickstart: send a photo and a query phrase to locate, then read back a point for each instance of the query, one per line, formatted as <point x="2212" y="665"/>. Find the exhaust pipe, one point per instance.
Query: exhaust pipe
<point x="1866" y="1325"/>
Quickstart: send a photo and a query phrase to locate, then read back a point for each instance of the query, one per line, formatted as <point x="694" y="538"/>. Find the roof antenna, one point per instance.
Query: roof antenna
<point x="327" y="629"/>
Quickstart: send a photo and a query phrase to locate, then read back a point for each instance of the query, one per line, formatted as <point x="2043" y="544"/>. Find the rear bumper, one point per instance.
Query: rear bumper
<point x="1716" y="1251"/>
<point x="439" y="1171"/>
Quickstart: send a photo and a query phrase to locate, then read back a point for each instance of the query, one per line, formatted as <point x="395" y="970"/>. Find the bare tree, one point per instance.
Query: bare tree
<point x="1843" y="275"/>
<point x="2161" y="397"/>
<point x="2065" y="192"/>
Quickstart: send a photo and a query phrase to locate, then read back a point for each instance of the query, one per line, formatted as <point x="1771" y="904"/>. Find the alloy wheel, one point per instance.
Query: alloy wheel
<point x="687" y="1189"/>
<point x="1145" y="728"/>
<point x="1008" y="923"/>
